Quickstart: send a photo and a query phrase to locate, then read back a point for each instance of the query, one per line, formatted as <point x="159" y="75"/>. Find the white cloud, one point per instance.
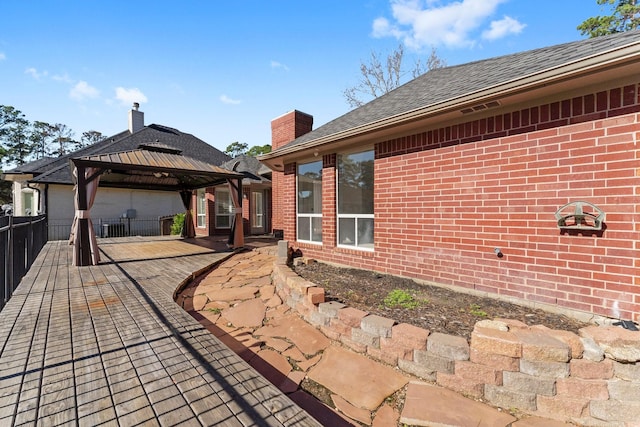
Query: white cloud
<point x="129" y="96"/>
<point x="82" y="90"/>
<point x="64" y="78"/>
<point x="35" y="73"/>
<point x="502" y="28"/>
<point x="2" y="56"/>
<point x="276" y="64"/>
<point x="226" y="100"/>
<point x="421" y="24"/>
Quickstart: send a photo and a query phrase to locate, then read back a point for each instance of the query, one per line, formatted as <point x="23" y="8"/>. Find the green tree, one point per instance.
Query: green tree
<point x="5" y="191"/>
<point x="41" y="135"/>
<point x="625" y="16"/>
<point x="377" y="79"/>
<point x="18" y="148"/>
<point x="63" y="137"/>
<point x="91" y="137"/>
<point x="257" y="150"/>
<point x="236" y="149"/>
<point x="8" y="118"/>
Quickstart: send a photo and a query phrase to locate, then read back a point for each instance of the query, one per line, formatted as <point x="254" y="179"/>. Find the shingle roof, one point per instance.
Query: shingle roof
<point x="439" y="85"/>
<point x="153" y="169"/>
<point x="250" y="167"/>
<point x="58" y="171"/>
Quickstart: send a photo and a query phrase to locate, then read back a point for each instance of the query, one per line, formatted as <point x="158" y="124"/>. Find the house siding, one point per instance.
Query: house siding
<point x="446" y="198"/>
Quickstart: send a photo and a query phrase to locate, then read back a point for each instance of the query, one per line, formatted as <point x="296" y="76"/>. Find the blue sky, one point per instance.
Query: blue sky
<point x="223" y="70"/>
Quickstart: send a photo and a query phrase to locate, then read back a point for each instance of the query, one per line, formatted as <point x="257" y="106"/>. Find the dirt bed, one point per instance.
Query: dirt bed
<point x="430" y="307"/>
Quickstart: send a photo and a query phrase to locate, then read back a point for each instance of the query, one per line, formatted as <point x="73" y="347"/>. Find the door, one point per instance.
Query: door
<point x="258" y="219"/>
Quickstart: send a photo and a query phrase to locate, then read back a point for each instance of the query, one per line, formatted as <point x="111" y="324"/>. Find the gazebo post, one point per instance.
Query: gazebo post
<point x="82" y="245"/>
<point x="236" y="236"/>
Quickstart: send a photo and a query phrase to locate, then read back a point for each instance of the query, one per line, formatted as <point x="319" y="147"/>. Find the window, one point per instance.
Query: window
<point x="224" y="208"/>
<point x="355" y="200"/>
<point x="201" y="207"/>
<point x="27" y="203"/>
<point x="309" y="201"/>
<point x="257" y="213"/>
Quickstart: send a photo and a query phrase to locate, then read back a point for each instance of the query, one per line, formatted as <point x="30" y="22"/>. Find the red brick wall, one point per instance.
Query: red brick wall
<point x="285" y="129"/>
<point x="445" y="198"/>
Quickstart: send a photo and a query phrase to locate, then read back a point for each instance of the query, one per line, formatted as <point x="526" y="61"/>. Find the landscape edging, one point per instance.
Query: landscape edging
<point x="589" y="378"/>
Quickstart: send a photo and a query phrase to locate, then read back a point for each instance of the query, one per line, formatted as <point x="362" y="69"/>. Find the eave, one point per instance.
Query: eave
<point x="604" y="66"/>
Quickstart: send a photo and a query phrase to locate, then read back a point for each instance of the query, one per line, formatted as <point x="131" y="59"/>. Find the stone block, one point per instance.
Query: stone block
<point x="330" y="308"/>
<point x="351" y="316"/>
<point x="518" y="381"/>
<point x="587" y="389"/>
<point x="433" y="362"/>
<point x="377" y="325"/>
<point x="478" y="373"/>
<point x="283" y="248"/>
<point x="615" y="410"/>
<point x="494" y="341"/>
<point x="492" y="324"/>
<point x="364" y="337"/>
<point x="330" y="333"/>
<point x="544" y="369"/>
<point x="572" y="340"/>
<point x="458" y="384"/>
<point x="591" y="350"/>
<point x="399" y="351"/>
<point x="389" y="358"/>
<point x="497" y="361"/>
<point x="340" y="327"/>
<point x="617" y="343"/>
<point x="508" y="399"/>
<point x="318" y="319"/>
<point x="409" y="336"/>
<point x="353" y="345"/>
<point x="419" y="371"/>
<point x="448" y="346"/>
<point x="315" y="295"/>
<point x="538" y="345"/>
<point x="562" y="407"/>
<point x="627" y="371"/>
<point x="625" y="391"/>
<point x="588" y="370"/>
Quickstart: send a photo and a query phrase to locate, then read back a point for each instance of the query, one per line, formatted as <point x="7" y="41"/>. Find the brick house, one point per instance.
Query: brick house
<point x="516" y="177"/>
<point x="213" y="210"/>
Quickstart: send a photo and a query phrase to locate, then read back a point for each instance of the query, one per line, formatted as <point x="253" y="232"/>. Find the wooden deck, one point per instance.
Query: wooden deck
<point x="107" y="345"/>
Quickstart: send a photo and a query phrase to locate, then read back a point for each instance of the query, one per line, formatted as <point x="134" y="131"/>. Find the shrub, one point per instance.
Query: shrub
<point x="178" y="223"/>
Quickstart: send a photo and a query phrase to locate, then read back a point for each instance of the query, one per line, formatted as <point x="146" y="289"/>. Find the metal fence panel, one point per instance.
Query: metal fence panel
<point x="21" y="239"/>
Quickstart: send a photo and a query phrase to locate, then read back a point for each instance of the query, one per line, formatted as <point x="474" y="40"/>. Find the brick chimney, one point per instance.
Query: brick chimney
<point x="289" y="126"/>
<point x="285" y="129"/>
<point x="136" y="118"/>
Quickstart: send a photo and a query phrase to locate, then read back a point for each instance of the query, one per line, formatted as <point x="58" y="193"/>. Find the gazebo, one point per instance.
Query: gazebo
<point x="152" y="167"/>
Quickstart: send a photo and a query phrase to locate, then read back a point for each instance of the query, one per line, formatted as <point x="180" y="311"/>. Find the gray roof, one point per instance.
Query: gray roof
<point x="443" y="84"/>
<point x="58" y="171"/>
<point x="251" y="168"/>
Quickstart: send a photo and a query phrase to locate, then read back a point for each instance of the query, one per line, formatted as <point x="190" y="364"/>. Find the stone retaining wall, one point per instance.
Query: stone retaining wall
<point x="591" y="379"/>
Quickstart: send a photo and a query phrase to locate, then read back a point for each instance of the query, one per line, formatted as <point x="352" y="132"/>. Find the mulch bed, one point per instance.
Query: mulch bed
<point x="430" y="307"/>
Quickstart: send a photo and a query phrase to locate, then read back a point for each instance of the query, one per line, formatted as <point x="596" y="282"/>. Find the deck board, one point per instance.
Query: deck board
<point x="108" y="345"/>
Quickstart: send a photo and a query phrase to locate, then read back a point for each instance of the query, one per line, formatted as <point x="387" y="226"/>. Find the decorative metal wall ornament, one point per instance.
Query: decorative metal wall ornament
<point x="580" y="215"/>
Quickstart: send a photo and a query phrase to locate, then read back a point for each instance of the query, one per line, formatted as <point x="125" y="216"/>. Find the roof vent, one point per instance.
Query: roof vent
<point x="480" y="107"/>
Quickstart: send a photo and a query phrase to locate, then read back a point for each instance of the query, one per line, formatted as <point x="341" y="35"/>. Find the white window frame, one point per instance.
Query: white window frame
<point x="217" y="201"/>
<point x="201" y="208"/>
<point x="356" y="246"/>
<point x="309" y="216"/>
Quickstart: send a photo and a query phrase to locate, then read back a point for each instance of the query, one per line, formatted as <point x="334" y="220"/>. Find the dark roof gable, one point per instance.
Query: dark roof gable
<point x="58" y="171"/>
